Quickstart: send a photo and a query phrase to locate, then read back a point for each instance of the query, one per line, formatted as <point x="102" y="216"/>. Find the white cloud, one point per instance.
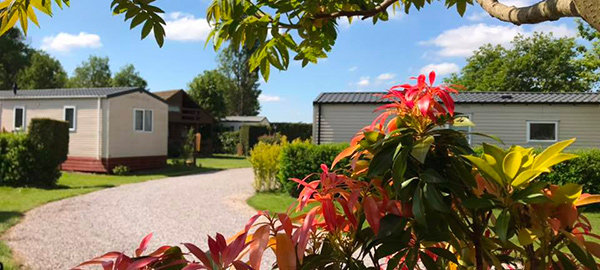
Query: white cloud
<point x="186" y="27"/>
<point x="462" y="41"/>
<point x="557" y="30"/>
<point x="441" y="68"/>
<point x="364" y="82"/>
<point x="517" y="3"/>
<point x="353" y="68"/>
<point x="478" y="16"/>
<point x="386" y="76"/>
<point x="64" y="42"/>
<point x="268" y="98"/>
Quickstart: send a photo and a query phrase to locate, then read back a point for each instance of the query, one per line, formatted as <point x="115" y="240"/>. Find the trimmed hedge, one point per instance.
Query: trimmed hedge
<point x="301" y="158"/>
<point x="584" y="170"/>
<point x="33" y="159"/>
<point x="249" y="136"/>
<point x="293" y="131"/>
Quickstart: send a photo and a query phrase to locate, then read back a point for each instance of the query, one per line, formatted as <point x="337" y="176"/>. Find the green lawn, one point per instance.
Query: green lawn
<point x="14" y="202"/>
<point x="273" y="202"/>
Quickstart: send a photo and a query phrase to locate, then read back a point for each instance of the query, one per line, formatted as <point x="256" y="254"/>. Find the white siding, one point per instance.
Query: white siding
<point x="339" y="122"/>
<point x="83" y="142"/>
<point x="123" y="140"/>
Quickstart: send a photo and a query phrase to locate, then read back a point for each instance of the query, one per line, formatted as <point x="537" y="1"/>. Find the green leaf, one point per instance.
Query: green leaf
<point x="418" y="207"/>
<point x="159" y="34"/>
<point x="479" y="203"/>
<point x="137" y="20"/>
<point x="432" y="177"/>
<point x="565" y="262"/>
<point x="461" y="7"/>
<point x="512" y="164"/>
<point x="551" y="152"/>
<point x="444" y="253"/>
<point x="427" y="261"/>
<point x="434" y="198"/>
<point x="485" y="168"/>
<point x="525" y="177"/>
<point x="421" y="148"/>
<point x="381" y="162"/>
<point x="146" y="29"/>
<point x="582" y="256"/>
<point x="502" y="224"/>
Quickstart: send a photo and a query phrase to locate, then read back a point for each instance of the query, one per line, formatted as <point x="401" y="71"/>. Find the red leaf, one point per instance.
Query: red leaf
<point x="252" y="220"/>
<point x="143" y="245"/>
<point x="286" y="257"/>
<point x="233" y="250"/>
<point x="158" y="252"/>
<point x="421" y="80"/>
<point x="303" y="235"/>
<point x="215" y="252"/>
<point x="372" y="213"/>
<point x="260" y="239"/>
<point x="423" y="104"/>
<point x="241" y="266"/>
<point x="193" y="266"/>
<point x="347" y="152"/>
<point x="431" y="77"/>
<point x="448" y="101"/>
<point x="286" y="223"/>
<point x="107" y="265"/>
<point x="139" y="264"/>
<point x="329" y="214"/>
<point x="199" y="254"/>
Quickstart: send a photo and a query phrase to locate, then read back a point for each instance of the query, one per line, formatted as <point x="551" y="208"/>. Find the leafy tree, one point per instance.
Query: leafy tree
<point x="208" y="89"/>
<point x="540" y="63"/>
<point x="95" y="72"/>
<point x="44" y="72"/>
<point x="242" y="99"/>
<point x="15" y="55"/>
<point x="313" y="22"/>
<point x="128" y="76"/>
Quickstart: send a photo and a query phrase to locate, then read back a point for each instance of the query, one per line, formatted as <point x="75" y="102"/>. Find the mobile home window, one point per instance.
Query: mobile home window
<point x="19" y="121"/>
<point x="143" y="120"/>
<point x="542" y="131"/>
<point x="465" y="129"/>
<point x="70" y="116"/>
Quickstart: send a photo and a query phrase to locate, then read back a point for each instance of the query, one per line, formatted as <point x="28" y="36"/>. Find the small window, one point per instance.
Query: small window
<point x="148" y="120"/>
<point x="71" y="117"/>
<point x="542" y="131"/>
<point x="143" y="120"/>
<point x="468" y="130"/>
<point x="19" y="120"/>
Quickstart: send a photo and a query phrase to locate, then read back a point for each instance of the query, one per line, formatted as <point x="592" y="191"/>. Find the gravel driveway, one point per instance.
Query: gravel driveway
<point x="62" y="234"/>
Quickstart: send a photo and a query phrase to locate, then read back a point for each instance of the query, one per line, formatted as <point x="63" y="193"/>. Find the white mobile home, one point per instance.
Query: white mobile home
<point x="527" y="119"/>
<point x="108" y="126"/>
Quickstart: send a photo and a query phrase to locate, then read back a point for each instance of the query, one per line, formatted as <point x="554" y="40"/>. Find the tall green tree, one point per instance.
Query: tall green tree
<point x="15" y="55"/>
<point x="95" y="72"/>
<point x="44" y="72"/>
<point x="540" y="63"/>
<point x="242" y="99"/>
<point x="128" y="77"/>
<point x="209" y="90"/>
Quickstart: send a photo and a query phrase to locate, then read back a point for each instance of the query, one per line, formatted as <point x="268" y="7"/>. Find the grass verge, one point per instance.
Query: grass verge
<point x="14" y="202"/>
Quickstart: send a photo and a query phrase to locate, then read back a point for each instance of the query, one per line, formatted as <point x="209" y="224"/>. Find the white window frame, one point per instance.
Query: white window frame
<point x="143" y="120"/>
<point x="15" y="118"/>
<point x="74" y="116"/>
<point x="470" y="129"/>
<point x="555" y="122"/>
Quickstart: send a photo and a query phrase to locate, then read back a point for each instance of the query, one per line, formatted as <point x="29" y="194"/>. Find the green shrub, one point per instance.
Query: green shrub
<point x="301" y="158"/>
<point x="50" y="139"/>
<point x="293" y="131"/>
<point x="271" y="139"/>
<point x="33" y="159"/>
<point x="120" y="170"/>
<point x="249" y="136"/>
<point x="16" y="159"/>
<point x="229" y="141"/>
<point x="584" y="170"/>
<point x="264" y="158"/>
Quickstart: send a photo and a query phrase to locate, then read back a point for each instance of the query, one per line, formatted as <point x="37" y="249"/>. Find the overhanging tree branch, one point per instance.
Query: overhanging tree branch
<point x="547" y="10"/>
<point x="364" y="13"/>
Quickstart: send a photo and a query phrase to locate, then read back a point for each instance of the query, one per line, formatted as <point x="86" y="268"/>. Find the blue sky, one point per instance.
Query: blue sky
<point x="366" y="57"/>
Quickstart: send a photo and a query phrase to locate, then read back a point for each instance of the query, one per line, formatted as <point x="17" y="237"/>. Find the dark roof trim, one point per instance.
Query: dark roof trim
<point x="141" y="90"/>
<point x="470" y="98"/>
